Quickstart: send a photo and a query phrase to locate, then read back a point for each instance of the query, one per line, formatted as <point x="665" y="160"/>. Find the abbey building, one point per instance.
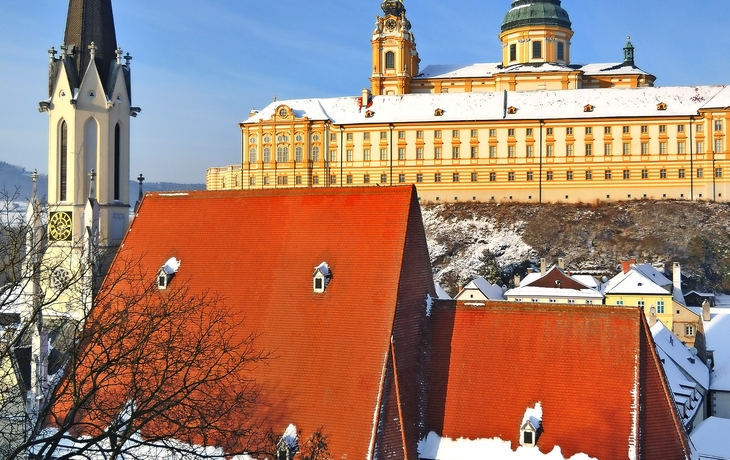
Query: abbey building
<point x="535" y="127"/>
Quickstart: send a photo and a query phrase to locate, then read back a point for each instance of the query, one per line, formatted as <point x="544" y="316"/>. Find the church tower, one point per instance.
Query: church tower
<point x="536" y="32"/>
<point x="395" y="59"/>
<point x="89" y="109"/>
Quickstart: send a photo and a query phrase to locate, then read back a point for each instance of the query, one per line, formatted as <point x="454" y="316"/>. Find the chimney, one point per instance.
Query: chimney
<point x="517" y="281"/>
<point x="652" y="317"/>
<point x="706" y="311"/>
<point x="677" y="276"/>
<point x="625" y="266"/>
<point x="542" y="267"/>
<point x="561" y="263"/>
<point x="365" y="97"/>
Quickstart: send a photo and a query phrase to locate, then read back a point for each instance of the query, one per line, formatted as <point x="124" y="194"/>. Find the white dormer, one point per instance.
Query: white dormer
<point x="531" y="426"/>
<point x="321" y="277"/>
<point x="166" y="272"/>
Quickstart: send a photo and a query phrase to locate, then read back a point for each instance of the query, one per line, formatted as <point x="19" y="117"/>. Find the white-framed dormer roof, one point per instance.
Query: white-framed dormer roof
<point x="633" y="282"/>
<point x="488" y="290"/>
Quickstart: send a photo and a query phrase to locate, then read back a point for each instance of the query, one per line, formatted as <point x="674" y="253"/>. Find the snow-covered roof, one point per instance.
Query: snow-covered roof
<point x="440" y="293"/>
<point x="488" y="69"/>
<point x="526" y="292"/>
<point x="633" y="282"/>
<point x="490" y="291"/>
<point x="681" y="355"/>
<point x="717" y="334"/>
<point x="486" y="106"/>
<point x="710" y="438"/>
<point x="653" y="274"/>
<point x="720" y="101"/>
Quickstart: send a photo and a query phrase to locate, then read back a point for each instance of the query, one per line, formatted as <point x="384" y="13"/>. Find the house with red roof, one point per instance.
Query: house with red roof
<point x="553" y="382"/>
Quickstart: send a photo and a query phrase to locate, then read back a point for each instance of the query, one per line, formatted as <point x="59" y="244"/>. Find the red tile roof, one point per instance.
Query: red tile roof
<point x="589" y="367"/>
<point x="333" y="352"/>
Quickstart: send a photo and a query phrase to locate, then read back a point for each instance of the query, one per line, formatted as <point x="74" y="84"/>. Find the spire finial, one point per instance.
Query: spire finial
<point x="629" y="52"/>
<point x="140" y="179"/>
<point x="34" y="178"/>
<point x="92" y="50"/>
<point x="52" y="53"/>
<point x="127" y="58"/>
<point x="119" y="53"/>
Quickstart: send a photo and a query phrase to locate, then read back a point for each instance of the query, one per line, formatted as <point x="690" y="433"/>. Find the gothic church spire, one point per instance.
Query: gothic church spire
<point x="90" y="24"/>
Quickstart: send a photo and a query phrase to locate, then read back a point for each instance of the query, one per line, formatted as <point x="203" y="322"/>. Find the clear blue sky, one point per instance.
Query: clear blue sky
<point x="200" y="66"/>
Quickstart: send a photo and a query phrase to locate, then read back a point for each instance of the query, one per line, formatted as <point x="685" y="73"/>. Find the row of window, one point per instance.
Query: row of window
<point x="537" y="51"/>
<point x="474" y="177"/>
<point x="474" y="133"/>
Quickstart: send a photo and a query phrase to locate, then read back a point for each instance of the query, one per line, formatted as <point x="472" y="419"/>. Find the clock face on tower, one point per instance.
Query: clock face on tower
<point x="60" y="226"/>
<point x="390" y="24"/>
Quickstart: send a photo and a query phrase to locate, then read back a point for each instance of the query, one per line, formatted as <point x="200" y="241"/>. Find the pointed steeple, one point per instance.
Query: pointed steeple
<point x="90" y="32"/>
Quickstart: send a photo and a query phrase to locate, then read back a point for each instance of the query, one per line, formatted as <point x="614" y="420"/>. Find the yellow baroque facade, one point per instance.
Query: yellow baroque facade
<point x="533" y="128"/>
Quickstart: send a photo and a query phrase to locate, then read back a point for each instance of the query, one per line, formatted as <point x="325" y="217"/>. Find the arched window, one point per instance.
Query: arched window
<point x="252" y="155"/>
<point x="282" y="154"/>
<point x="267" y="155"/>
<point x="298" y="154"/>
<point x="117" y="161"/>
<point x="315" y="153"/>
<point x="390" y="60"/>
<point x="63" y="163"/>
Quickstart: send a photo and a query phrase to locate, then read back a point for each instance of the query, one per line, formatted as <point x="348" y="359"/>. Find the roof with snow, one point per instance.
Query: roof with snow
<point x="634" y="282"/>
<point x="333" y="364"/>
<point x="488" y="290"/>
<point x="491" y="106"/>
<point x="557" y="284"/>
<point x="717" y="334"/>
<point x="711" y="439"/>
<point x="486" y="70"/>
<point x="597" y="393"/>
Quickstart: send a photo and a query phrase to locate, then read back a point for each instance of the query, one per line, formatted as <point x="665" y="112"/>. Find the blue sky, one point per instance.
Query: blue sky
<point x="199" y="67"/>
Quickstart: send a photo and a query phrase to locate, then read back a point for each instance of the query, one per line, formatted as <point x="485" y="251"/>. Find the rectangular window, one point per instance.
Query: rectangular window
<point x="333" y="137"/>
<point x="589" y="175"/>
<point x="700" y="147"/>
<point x="492" y="177"/>
<point x="401" y="178"/>
<point x="315" y="180"/>
<point x="537" y="49"/>
<point x="549" y="175"/>
<point x="529" y="175"/>
<point x="680" y="147"/>
<point x="528" y="132"/>
<point x="350" y="154"/>
<point x="349" y="178"/>
<point x="680" y="128"/>
<point x="455" y="134"/>
<point x="607" y="150"/>
<point x="492" y="151"/>
<point x="473" y="133"/>
<point x="456" y="177"/>
<point x="383" y="154"/>
<point x="475" y="152"/>
<point x="437" y="134"/>
<point x="365" y="136"/>
<point x="627" y="174"/>
<point x="383" y="178"/>
<point x="511" y="151"/>
<point x="455" y="153"/>
<point x="282" y="180"/>
<point x="589" y="130"/>
<point x="251" y="181"/>
<point x="718" y="125"/>
<point x="699" y="128"/>
<point x="437" y="153"/>
<point x="627" y="148"/>
<point x="589" y="150"/>
<point x="333" y="155"/>
<point x="662" y="173"/>
<point x="511" y="176"/>
<point x="607" y="174"/>
<point x="298" y="180"/>
<point x="513" y="52"/>
<point x="366" y="154"/>
<point x="419" y="178"/>
<point x="437" y="177"/>
<point x="718" y="172"/>
<point x="645" y="148"/>
<point x="689" y="331"/>
<point x="569" y="150"/>
<point x="550" y="150"/>
<point x="569" y="131"/>
<point x="366" y="179"/>
<point x="419" y="153"/>
<point x="681" y="174"/>
<point x="550" y="131"/>
<point x="700" y="173"/>
<point x="662" y="148"/>
<point x="492" y="133"/>
<point x="640" y="304"/>
<point x="511" y="132"/>
<point x="662" y="128"/>
<point x="607" y="130"/>
<point x="644" y="129"/>
<point x="644" y="173"/>
<point x="626" y="129"/>
<point x="333" y="180"/>
<point x="473" y="177"/>
<point x="401" y="134"/>
<point x="569" y="175"/>
<point x="718" y="146"/>
<point x="561" y="51"/>
<point x="401" y="153"/>
<point x="419" y="134"/>
<point x="530" y="151"/>
<point x="349" y="136"/>
<point x="383" y="134"/>
<point x="660" y="306"/>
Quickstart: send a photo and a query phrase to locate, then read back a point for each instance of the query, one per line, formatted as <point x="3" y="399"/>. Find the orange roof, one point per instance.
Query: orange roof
<point x="590" y="368"/>
<point x="333" y="357"/>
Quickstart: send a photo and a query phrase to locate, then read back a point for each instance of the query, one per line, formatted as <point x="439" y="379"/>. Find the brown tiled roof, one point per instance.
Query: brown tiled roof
<point x="339" y="356"/>
<point x="590" y="368"/>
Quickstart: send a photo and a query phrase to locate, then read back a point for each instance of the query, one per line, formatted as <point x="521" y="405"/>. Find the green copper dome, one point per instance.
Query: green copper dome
<point x="536" y="13"/>
<point x="394" y="7"/>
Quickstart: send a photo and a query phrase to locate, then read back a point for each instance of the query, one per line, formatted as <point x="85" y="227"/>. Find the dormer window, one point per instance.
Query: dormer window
<point x="438" y="113"/>
<point x="512" y="110"/>
<point x="661" y="106"/>
<point x="167" y="272"/>
<point x="588" y="108"/>
<point x="321" y="277"/>
<point x="531" y="427"/>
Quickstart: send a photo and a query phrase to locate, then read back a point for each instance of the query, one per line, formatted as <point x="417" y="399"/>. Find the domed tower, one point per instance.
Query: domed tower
<point x="395" y="59"/>
<point x="535" y="32"/>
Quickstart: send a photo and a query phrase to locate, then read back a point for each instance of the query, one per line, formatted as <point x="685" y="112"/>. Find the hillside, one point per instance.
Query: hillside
<point x="591" y="238"/>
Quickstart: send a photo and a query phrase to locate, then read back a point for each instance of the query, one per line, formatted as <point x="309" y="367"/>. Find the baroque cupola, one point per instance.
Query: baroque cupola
<point x="536" y="32"/>
<point x="395" y="59"/>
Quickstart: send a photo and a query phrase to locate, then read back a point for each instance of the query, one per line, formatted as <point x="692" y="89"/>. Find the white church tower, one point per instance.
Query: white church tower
<point x="89" y="108"/>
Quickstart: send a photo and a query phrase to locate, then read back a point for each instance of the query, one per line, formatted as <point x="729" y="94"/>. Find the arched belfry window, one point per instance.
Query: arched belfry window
<point x="117" y="161"/>
<point x="390" y="60"/>
<point x="63" y="163"/>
